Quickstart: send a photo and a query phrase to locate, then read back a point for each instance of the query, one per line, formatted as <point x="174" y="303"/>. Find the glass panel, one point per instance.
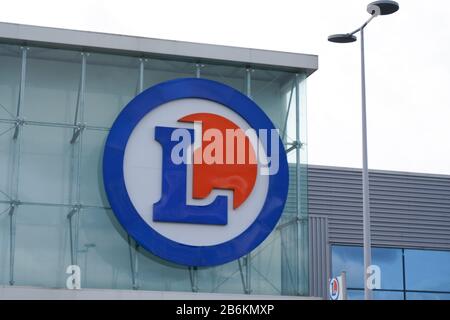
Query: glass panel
<point x="45" y="164"/>
<point x="4" y="242"/>
<point x="388" y="295"/>
<point x="232" y="76"/>
<point x="102" y="252"/>
<point x="427" y="270"/>
<point x="355" y="294"/>
<point x="350" y="259"/>
<point x="6" y="160"/>
<point x="390" y="263"/>
<point x="266" y="265"/>
<point x="42" y="251"/>
<point x="221" y="279"/>
<point x="291" y="266"/>
<point x="269" y="92"/>
<point x="427" y="296"/>
<point x="92" y="191"/>
<point x="111" y="82"/>
<point x="10" y="66"/>
<point x="290" y="208"/>
<point x="52" y="82"/>
<point x="157" y="71"/>
<point x="160" y="275"/>
<point x="377" y="295"/>
<point x="155" y="274"/>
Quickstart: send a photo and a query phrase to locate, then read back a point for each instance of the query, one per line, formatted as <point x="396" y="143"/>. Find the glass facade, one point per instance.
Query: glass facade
<point x="405" y="273"/>
<point x="56" y="108"/>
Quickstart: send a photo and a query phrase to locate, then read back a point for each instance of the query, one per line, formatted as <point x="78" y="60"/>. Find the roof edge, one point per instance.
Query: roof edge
<point x="140" y="46"/>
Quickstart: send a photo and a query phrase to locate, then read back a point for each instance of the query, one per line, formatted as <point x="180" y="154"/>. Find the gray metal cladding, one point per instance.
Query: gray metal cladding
<point x="407" y="210"/>
<point x="319" y="256"/>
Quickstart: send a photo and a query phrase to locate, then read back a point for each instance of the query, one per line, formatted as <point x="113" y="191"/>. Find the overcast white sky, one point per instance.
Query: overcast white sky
<point x="408" y="64"/>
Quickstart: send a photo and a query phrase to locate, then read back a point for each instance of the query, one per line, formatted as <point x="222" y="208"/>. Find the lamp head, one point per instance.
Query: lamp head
<point x="383" y="7"/>
<point x="342" y="38"/>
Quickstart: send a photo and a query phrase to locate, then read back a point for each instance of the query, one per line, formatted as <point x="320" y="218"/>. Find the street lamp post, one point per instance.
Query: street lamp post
<point x="375" y="9"/>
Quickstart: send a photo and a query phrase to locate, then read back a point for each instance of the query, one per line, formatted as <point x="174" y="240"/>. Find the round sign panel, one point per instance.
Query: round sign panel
<point x="334" y="289"/>
<point x="195" y="172"/>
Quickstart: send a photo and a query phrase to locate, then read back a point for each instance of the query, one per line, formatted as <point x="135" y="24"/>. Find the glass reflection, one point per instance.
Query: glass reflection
<point x="377" y="295"/>
<point x="350" y="259"/>
<point x="427" y="296"/>
<point x="427" y="270"/>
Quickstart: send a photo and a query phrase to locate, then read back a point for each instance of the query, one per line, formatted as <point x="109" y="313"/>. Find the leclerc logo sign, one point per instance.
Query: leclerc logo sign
<point x="195" y="172"/>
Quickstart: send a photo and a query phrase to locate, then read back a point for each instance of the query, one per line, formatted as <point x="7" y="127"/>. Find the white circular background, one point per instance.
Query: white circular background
<point x="143" y="173"/>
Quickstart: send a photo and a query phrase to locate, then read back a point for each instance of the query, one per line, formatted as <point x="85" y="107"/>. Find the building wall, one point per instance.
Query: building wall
<point x="407" y="211"/>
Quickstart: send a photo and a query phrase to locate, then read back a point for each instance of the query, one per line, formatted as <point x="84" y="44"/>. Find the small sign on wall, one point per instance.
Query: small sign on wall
<point x="338" y="287"/>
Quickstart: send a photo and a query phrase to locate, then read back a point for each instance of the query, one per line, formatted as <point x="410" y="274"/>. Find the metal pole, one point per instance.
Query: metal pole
<point x="248" y="257"/>
<point x="344" y="285"/>
<point x="194" y="270"/>
<point x="197" y="70"/>
<point x="80" y="116"/>
<point x="20" y="104"/>
<point x="247" y="260"/>
<point x="72" y="254"/>
<point x="298" y="182"/>
<point x="248" y="80"/>
<point x="141" y="75"/>
<point x="22" y="80"/>
<point x="15" y="170"/>
<point x="133" y="246"/>
<point x="288" y="109"/>
<point x="12" y="243"/>
<point x="365" y="178"/>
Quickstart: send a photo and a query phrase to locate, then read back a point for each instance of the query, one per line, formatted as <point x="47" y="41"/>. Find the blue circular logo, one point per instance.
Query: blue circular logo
<point x="195" y="212"/>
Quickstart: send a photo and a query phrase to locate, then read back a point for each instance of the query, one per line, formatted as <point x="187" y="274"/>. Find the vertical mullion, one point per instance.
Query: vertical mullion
<point x="132" y="245"/>
<point x="79" y="152"/>
<point x="404" y="274"/>
<point x="12" y="243"/>
<point x="14" y="184"/>
<point x="193" y="271"/>
<point x="248" y="258"/>
<point x="197" y="70"/>
<point x="297" y="176"/>
<point x="76" y="149"/>
<point x="141" y="75"/>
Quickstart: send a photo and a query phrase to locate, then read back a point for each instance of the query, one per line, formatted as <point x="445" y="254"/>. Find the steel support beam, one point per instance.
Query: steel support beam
<point x="80" y="101"/>
<point x="23" y="74"/>
<point x="132" y="244"/>
<point x="193" y="276"/>
<point x="246" y="275"/>
<point x="284" y="132"/>
<point x="198" y="70"/>
<point x="141" y="74"/>
<point x="12" y="242"/>
<point x="367" y="242"/>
